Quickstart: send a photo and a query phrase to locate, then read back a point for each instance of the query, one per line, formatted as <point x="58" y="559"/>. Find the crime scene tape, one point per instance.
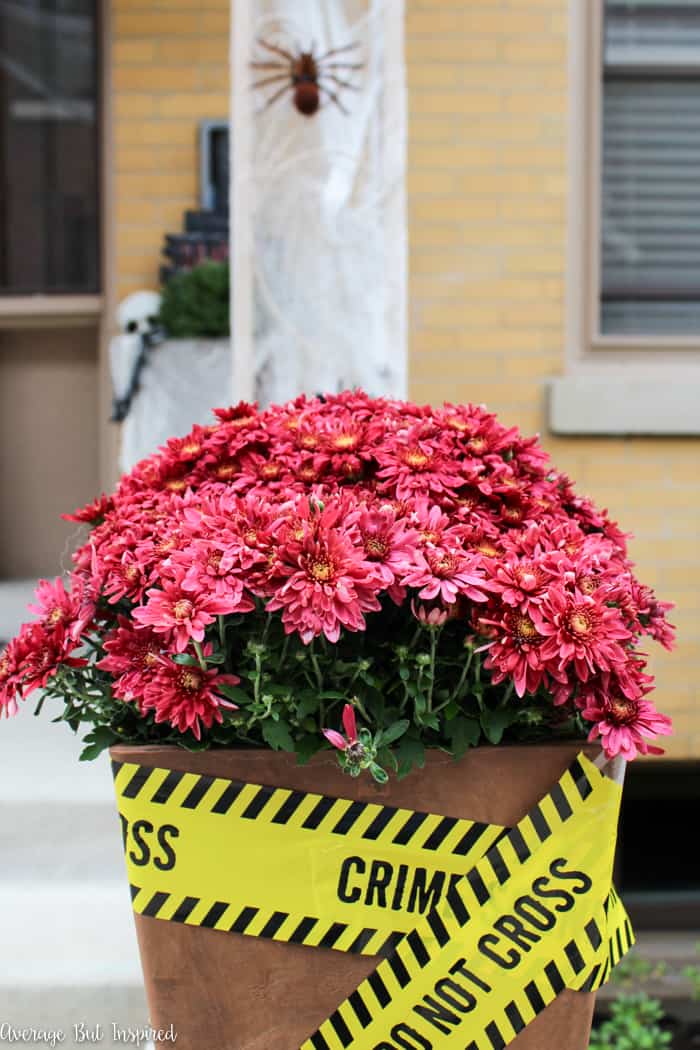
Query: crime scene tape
<point x="479" y="926"/>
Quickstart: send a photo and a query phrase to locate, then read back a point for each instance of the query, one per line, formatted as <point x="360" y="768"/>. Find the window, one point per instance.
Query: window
<point x="633" y="257"/>
<point x="650" y="185"/>
<point x="49" y="213"/>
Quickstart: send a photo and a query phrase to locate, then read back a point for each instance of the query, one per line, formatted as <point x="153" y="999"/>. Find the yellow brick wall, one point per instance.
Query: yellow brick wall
<point x="487" y="211"/>
<point x="169" y="71"/>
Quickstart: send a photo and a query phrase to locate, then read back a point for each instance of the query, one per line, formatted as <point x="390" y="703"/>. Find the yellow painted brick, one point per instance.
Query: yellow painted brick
<point x="135" y="211"/>
<point x="482" y="102"/>
<point x="138" y="236"/>
<point x="427" y="129"/>
<point x="195" y="105"/>
<point x="436" y="74"/>
<point x="160" y="184"/>
<point x="216" y="22"/>
<point x="133" y="105"/>
<point x="194" y="50"/>
<point x="154" y="79"/>
<point x="127" y="52"/>
<point x="150" y="23"/>
<point x="429" y="182"/>
<point x="472" y="20"/>
<point x="545" y="51"/>
<point x="213" y="77"/>
<point x="452" y="49"/>
<point x="156" y="132"/>
<point x="454" y="209"/>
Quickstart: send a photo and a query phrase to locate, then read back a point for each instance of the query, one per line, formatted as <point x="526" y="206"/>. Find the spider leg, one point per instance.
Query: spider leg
<point x="343" y="65"/>
<point x="268" y="65"/>
<point x="338" y="50"/>
<point x="278" y="94"/>
<point x="276" y="50"/>
<point x="339" y="82"/>
<point x="334" y="98"/>
<point x="271" y="80"/>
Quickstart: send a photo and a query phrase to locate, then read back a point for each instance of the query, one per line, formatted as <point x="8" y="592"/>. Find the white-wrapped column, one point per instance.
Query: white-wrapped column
<point x="318" y="203"/>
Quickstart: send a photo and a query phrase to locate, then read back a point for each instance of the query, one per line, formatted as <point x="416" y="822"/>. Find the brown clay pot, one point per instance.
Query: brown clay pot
<point x="226" y="991"/>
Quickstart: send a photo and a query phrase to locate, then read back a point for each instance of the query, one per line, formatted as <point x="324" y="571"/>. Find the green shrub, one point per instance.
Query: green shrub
<point x="633" y="1025"/>
<point x="195" y="304"/>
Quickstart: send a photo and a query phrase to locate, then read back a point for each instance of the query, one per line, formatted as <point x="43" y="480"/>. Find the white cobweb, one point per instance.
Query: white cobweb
<point x="328" y="207"/>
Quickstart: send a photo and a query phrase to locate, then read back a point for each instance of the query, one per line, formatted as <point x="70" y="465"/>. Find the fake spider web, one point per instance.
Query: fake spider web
<point x="327" y="208"/>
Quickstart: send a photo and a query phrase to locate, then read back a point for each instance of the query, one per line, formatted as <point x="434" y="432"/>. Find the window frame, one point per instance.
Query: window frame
<point x="586" y="169"/>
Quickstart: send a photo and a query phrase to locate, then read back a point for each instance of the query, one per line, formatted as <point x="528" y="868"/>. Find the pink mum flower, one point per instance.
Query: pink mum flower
<point x="330" y="585"/>
<point x="186" y="696"/>
<point x="580" y="629"/>
<point x="446" y="573"/>
<point x="623" y="723"/>
<point x="516" y="652"/>
<point x="179" y="614"/>
<point x="132" y="654"/>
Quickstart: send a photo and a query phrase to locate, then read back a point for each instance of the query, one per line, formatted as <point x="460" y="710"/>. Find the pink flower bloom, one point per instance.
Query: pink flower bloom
<point x="623" y="723"/>
<point x="186" y="696"/>
<point x="133" y="654"/>
<point x="580" y="629"/>
<point x="520" y="582"/>
<point x="446" y="573"/>
<point x="178" y="614"/>
<point x="329" y="585"/>
<point x="516" y="652"/>
<point x="350" y="726"/>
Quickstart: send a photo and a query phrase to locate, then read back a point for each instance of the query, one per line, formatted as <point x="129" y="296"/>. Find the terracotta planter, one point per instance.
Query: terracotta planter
<point x="225" y="991"/>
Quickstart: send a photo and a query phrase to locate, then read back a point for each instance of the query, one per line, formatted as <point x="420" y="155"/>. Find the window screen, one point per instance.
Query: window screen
<point x="651" y="168"/>
<point x="48" y="147"/>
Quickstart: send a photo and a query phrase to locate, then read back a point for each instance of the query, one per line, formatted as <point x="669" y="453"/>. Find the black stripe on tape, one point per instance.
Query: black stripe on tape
<point x="590" y="982"/>
<point x="116" y="766"/>
<point x="244" y="920"/>
<point x="399" y="970"/>
<point x="379" y="823"/>
<point x="593" y="933"/>
<point x="214" y="914"/>
<point x="134" y="891"/>
<point x="318" y="1041"/>
<point x="379" y="988"/>
<point x="303" y="930"/>
<point x="618" y="940"/>
<point x="288" y="807"/>
<point x="580" y="778"/>
<point x="137" y="782"/>
<point x="515" y="1017"/>
<point x="629" y="934"/>
<point x="469" y="839"/>
<point x="520" y="846"/>
<point x="477" y="884"/>
<point x="554" y="977"/>
<point x="454" y="899"/>
<point x="561" y="802"/>
<point x="498" y="864"/>
<point x="574" y="956"/>
<point x="332" y="934"/>
<point x="362" y="940"/>
<point x="539" y="823"/>
<point x="185" y="909"/>
<point x="438" y="927"/>
<point x="351" y="815"/>
<point x="167" y="787"/>
<point x="534" y="998"/>
<point x="436" y="838"/>
<point x="496" y="1039"/>
<point x="155" y="904"/>
<point x="320" y="810"/>
<point x="406" y="832"/>
<point x="390" y="943"/>
<point x="419" y="950"/>
<point x="257" y="804"/>
<point x="340" y="1028"/>
<point x="198" y="792"/>
<point x="472" y="1046"/>
<point x="361" y="1012"/>
<point x="273" y="923"/>
<point x="227" y="799"/>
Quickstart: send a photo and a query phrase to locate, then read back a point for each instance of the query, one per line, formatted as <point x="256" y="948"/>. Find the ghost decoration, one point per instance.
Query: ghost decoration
<point x="137" y="320"/>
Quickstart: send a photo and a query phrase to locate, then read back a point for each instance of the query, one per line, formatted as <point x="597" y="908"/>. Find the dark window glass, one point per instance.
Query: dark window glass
<point x="49" y="214"/>
<point x="651" y="168"/>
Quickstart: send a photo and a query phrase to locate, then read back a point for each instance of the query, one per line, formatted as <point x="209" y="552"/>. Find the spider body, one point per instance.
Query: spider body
<point x="309" y="77"/>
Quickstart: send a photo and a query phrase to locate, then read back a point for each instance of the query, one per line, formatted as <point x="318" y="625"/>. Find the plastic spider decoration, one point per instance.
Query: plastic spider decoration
<point x="308" y="76"/>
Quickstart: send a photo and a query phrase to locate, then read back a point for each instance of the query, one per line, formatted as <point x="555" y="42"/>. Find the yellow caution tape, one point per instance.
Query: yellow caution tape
<point x="480" y="926"/>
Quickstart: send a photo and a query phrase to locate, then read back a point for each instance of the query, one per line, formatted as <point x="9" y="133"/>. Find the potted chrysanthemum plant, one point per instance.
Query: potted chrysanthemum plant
<point x="340" y="585"/>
